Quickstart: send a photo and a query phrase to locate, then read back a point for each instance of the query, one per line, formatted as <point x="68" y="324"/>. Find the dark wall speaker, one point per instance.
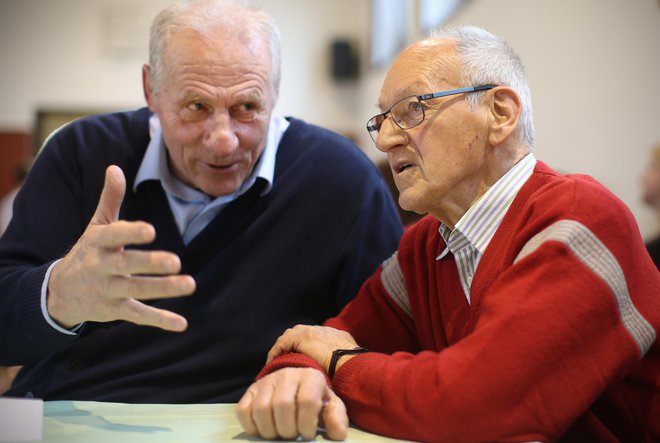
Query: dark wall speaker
<point x="344" y="60"/>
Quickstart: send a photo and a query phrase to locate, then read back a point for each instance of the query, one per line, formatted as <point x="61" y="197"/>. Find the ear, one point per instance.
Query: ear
<point x="505" y="112"/>
<point x="146" y="87"/>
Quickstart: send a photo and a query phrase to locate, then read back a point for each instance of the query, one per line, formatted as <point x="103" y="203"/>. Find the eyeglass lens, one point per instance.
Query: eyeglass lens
<point x="407" y="113"/>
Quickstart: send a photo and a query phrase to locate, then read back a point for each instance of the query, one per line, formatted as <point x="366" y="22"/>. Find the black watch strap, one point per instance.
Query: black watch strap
<point x="338" y="353"/>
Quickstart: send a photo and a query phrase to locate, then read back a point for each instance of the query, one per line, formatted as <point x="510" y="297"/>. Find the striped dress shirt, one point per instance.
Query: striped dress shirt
<point x="471" y="235"/>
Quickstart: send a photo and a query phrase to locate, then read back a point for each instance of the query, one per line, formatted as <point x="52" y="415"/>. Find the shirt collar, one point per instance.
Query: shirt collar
<point x="478" y="225"/>
<point x="154" y="164"/>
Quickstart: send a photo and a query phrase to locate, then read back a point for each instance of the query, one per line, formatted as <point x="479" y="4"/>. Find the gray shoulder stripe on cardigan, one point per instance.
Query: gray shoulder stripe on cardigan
<point x="595" y="255"/>
<point x="392" y="279"/>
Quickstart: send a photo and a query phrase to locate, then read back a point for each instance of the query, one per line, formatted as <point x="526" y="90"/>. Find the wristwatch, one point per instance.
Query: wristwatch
<point x="338" y="353"/>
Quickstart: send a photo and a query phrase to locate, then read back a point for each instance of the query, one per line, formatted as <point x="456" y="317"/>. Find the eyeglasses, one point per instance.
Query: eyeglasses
<point x="409" y="112"/>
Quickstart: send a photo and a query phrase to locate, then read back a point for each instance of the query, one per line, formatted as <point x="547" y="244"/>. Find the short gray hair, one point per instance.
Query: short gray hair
<point x="488" y="59"/>
<point x="204" y="16"/>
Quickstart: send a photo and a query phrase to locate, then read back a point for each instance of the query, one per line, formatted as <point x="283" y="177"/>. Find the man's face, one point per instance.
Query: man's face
<point x="439" y="165"/>
<point x="651" y="184"/>
<point x="214" y="106"/>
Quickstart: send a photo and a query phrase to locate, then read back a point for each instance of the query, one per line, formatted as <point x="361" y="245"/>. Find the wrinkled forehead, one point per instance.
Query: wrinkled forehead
<point x="218" y="45"/>
<point x="428" y="66"/>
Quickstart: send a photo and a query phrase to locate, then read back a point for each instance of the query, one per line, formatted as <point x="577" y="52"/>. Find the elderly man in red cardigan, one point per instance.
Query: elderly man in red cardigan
<point x="524" y="307"/>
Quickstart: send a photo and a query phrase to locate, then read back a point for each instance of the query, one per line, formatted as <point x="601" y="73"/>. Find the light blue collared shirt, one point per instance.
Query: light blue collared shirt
<point x="192" y="209"/>
<point x="474" y="231"/>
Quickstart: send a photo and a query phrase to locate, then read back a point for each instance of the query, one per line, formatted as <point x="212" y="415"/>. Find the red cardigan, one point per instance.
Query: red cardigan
<point x="558" y="343"/>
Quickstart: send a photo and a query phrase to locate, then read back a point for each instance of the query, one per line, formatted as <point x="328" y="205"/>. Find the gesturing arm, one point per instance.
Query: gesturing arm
<point x="98" y="279"/>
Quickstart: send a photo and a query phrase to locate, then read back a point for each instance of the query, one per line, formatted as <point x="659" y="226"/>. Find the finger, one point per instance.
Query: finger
<point x="284" y="408"/>
<point x="284" y="343"/>
<point x="122" y="233"/>
<point x="274" y="352"/>
<point x="134" y="262"/>
<point x="135" y="312"/>
<point x="244" y="412"/>
<point x="262" y="413"/>
<point x="150" y="288"/>
<point x="335" y="417"/>
<point x="310" y="402"/>
<point x="112" y="195"/>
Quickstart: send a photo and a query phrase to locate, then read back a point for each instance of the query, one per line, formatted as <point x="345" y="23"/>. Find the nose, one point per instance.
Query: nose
<point x="219" y="134"/>
<point x="390" y="135"/>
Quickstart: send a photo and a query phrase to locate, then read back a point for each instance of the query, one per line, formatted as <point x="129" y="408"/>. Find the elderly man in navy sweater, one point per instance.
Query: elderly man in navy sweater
<point x="155" y="255"/>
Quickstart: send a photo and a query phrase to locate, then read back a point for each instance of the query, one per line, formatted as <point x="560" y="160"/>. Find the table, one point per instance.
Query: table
<point x="100" y="422"/>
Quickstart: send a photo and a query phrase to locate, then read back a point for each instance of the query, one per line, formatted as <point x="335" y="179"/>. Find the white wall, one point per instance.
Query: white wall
<point x="592" y="64"/>
<point x="53" y="54"/>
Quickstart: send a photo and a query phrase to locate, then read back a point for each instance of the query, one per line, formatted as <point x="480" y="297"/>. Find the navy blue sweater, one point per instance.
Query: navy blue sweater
<point x="295" y="255"/>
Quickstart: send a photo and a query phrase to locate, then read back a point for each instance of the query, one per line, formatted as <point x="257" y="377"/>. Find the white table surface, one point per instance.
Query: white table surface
<point x="100" y="422"/>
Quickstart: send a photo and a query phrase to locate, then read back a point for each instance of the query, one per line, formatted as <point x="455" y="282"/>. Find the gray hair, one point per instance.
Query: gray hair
<point x="205" y="16"/>
<point x="488" y="59"/>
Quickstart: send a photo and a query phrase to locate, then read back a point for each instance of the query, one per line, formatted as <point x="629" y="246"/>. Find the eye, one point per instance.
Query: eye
<point x="197" y="106"/>
<point x="247" y="107"/>
<point x="193" y="110"/>
<point x="414" y="107"/>
<point x="246" y="111"/>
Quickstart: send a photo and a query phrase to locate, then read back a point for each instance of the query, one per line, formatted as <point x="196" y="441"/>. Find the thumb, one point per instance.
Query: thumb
<point x="112" y="195"/>
<point x="335" y="417"/>
<point x="274" y="352"/>
<point x="283" y="344"/>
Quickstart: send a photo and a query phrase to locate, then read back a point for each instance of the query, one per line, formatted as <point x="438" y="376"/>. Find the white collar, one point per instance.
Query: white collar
<point x="154" y="163"/>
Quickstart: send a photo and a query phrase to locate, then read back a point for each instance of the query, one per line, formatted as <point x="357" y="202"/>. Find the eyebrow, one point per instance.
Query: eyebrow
<point x="248" y="97"/>
<point x="402" y="93"/>
<point x="188" y="96"/>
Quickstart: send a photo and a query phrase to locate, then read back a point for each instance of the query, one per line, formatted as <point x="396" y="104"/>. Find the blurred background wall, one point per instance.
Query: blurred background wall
<point x="593" y="67"/>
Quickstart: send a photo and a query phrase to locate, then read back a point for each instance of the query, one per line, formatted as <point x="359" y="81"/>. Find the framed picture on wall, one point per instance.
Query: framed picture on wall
<point x="434" y="13"/>
<point x="48" y="121"/>
<point x="393" y="24"/>
<point x="389" y="30"/>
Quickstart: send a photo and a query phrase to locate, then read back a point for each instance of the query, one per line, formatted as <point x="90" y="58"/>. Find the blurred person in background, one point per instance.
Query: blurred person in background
<point x="7" y="202"/>
<point x="651" y="196"/>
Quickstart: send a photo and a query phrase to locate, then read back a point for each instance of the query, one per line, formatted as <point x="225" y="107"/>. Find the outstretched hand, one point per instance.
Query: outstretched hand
<point x="99" y="280"/>
<point x="292" y="402"/>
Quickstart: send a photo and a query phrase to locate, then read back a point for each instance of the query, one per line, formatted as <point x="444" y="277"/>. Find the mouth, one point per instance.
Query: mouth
<point x="222" y="167"/>
<point x="401" y="166"/>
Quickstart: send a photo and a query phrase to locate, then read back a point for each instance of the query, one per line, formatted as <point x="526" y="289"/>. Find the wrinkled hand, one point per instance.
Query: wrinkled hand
<point x="292" y="402"/>
<point x="317" y="342"/>
<point x="99" y="280"/>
